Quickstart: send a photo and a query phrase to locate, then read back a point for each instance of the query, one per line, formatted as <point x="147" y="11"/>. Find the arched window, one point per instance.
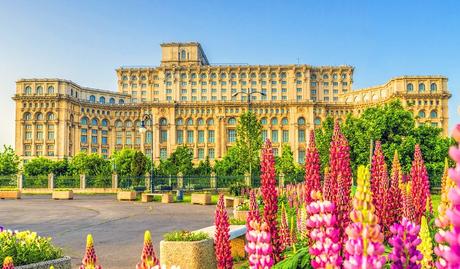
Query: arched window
<point x="433" y="114"/>
<point x="200" y="121"/>
<point x="94" y="122"/>
<point x="84" y="121"/>
<point x="313" y="77"/>
<point x="421" y="114"/>
<point x="105" y="122"/>
<point x="325" y="76"/>
<point x="263" y="75"/>
<point x="183" y="55"/>
<point x="50" y="90"/>
<point x="128" y="124"/>
<point x="284" y="121"/>
<point x="133" y="78"/>
<point x="50" y="116"/>
<point x="263" y="121"/>
<point x="39" y="116"/>
<point x="124" y="77"/>
<point x="179" y="122"/>
<point x="283" y="75"/>
<point x="118" y="124"/>
<point x="213" y="75"/>
<point x="203" y="75"/>
<point x="210" y="122"/>
<point x="253" y="75"/>
<point x="274" y="121"/>
<point x="243" y="75"/>
<point x="433" y="87"/>
<point x="421" y="87"/>
<point x="193" y="75"/>
<point x="334" y="76"/>
<point x="163" y="122"/>
<point x="28" y="90"/>
<point x="273" y="75"/>
<point x="183" y="76"/>
<point x="39" y="90"/>
<point x="27" y="116"/>
<point x="190" y="122"/>
<point x="143" y="77"/>
<point x="409" y="87"/>
<point x="92" y="99"/>
<point x="102" y="100"/>
<point x="301" y="121"/>
<point x="232" y="121"/>
<point x="112" y="101"/>
<point x="223" y="75"/>
<point x="298" y="74"/>
<point x="317" y="121"/>
<point x="344" y="76"/>
<point x="137" y="124"/>
<point x="121" y="101"/>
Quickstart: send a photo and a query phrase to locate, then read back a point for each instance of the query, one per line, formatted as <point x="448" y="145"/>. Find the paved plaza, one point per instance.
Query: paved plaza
<point x="117" y="227"/>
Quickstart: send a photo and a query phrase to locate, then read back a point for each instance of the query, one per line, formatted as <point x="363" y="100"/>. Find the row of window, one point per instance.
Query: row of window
<point x="39" y="150"/>
<point x="112" y="101"/>
<point x="39" y="116"/>
<point x="433" y="114"/>
<point x="168" y="75"/>
<point x="38" y="90"/>
<point x="421" y="87"/>
<point x="39" y="132"/>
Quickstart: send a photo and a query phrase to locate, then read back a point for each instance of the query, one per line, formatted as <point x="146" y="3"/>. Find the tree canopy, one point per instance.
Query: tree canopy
<point x="9" y="161"/>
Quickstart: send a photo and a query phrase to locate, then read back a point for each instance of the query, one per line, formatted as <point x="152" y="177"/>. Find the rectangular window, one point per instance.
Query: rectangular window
<point x="223" y="83"/>
<point x="275" y="136"/>
<point x="119" y="138"/>
<point x="326" y="91"/>
<point x="201" y="153"/>
<point x="275" y="151"/>
<point x="163" y="136"/>
<point x="163" y="153"/>
<point x="326" y="98"/>
<point x="231" y="138"/>
<point x="325" y="83"/>
<point x="301" y="136"/>
<point x="104" y="140"/>
<point x="211" y="154"/>
<point x="298" y="82"/>
<point x="179" y="136"/>
<point x="28" y="135"/>
<point x="201" y="136"/>
<point x="273" y="90"/>
<point x="138" y="139"/>
<point x="284" y="97"/>
<point x="273" y="97"/>
<point x="190" y="138"/>
<point x="83" y="139"/>
<point x="335" y="91"/>
<point x="285" y="136"/>
<point x="344" y="83"/>
<point x="51" y="135"/>
<point x="129" y="139"/>
<point x="335" y="83"/>
<point x="313" y="84"/>
<point x="264" y="135"/>
<point x="301" y="157"/>
<point x="40" y="135"/>
<point x="211" y="137"/>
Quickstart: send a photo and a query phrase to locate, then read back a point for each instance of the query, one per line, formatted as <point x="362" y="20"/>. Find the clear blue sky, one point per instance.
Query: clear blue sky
<point x="85" y="41"/>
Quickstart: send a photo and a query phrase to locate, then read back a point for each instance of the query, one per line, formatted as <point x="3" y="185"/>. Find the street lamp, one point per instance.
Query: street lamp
<point x="249" y="94"/>
<point x="143" y="130"/>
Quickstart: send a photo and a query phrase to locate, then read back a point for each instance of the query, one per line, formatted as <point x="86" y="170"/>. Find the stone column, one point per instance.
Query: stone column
<point x="281" y="180"/>
<point x="213" y="179"/>
<point x="147" y="181"/>
<point x="247" y="179"/>
<point x="114" y="181"/>
<point x="51" y="181"/>
<point x="180" y="180"/>
<point x="83" y="181"/>
<point x="20" y="179"/>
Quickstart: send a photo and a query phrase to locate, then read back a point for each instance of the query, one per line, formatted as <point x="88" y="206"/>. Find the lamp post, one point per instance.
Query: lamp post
<point x="249" y="95"/>
<point x="142" y="130"/>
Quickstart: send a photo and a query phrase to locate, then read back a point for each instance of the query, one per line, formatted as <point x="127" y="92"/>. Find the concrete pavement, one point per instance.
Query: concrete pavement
<point x="117" y="227"/>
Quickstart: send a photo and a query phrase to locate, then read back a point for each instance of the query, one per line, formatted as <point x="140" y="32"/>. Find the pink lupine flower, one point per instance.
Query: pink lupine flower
<point x="312" y="169"/>
<point x="222" y="237"/>
<point x="253" y="213"/>
<point x="258" y="246"/>
<point x="90" y="259"/>
<point x="270" y="196"/>
<point x="8" y="263"/>
<point x="405" y="240"/>
<point x="379" y="182"/>
<point x="325" y="245"/>
<point x="148" y="257"/>
<point x="285" y="236"/>
<point x="420" y="184"/>
<point x="448" y="249"/>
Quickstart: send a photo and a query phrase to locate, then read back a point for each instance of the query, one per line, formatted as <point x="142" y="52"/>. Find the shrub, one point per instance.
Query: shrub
<point x="185" y="236"/>
<point x="27" y="247"/>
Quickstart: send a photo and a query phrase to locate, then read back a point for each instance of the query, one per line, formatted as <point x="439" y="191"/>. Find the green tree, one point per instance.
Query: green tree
<point x="89" y="164"/>
<point x="129" y="162"/>
<point x="38" y="166"/>
<point x="285" y="163"/>
<point x="179" y="161"/>
<point x="204" y="168"/>
<point x="9" y="161"/>
<point x="395" y="128"/>
<point x="61" y="167"/>
<point x="249" y="141"/>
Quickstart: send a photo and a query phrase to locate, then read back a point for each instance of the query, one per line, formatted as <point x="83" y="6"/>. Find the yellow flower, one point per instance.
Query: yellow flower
<point x="426" y="246"/>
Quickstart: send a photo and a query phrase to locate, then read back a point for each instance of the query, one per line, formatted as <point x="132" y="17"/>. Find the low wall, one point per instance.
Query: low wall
<point x="77" y="191"/>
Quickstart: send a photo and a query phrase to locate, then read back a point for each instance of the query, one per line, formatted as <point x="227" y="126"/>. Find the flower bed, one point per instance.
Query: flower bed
<point x="27" y="248"/>
<point x="10" y="193"/>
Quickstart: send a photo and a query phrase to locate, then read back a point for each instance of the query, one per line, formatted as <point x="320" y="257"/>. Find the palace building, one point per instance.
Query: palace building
<point x="192" y="102"/>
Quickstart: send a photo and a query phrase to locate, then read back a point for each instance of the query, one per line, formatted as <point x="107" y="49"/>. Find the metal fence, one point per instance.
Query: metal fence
<point x="99" y="181"/>
<point x="125" y="182"/>
<point x="66" y="182"/>
<point x="10" y="181"/>
<point x="35" y="182"/>
<point x="227" y="181"/>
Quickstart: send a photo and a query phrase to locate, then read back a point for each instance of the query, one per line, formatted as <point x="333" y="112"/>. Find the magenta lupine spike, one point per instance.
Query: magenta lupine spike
<point x="325" y="245"/>
<point x="258" y="246"/>
<point x="148" y="257"/>
<point x="408" y="207"/>
<point x="379" y="182"/>
<point x="312" y="169"/>
<point x="393" y="204"/>
<point x="253" y="213"/>
<point x="448" y="249"/>
<point x="8" y="263"/>
<point x="420" y="184"/>
<point x="270" y="196"/>
<point x="327" y="186"/>
<point x="405" y="240"/>
<point x="285" y="236"/>
<point x="222" y="237"/>
<point x="340" y="169"/>
<point x="90" y="259"/>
